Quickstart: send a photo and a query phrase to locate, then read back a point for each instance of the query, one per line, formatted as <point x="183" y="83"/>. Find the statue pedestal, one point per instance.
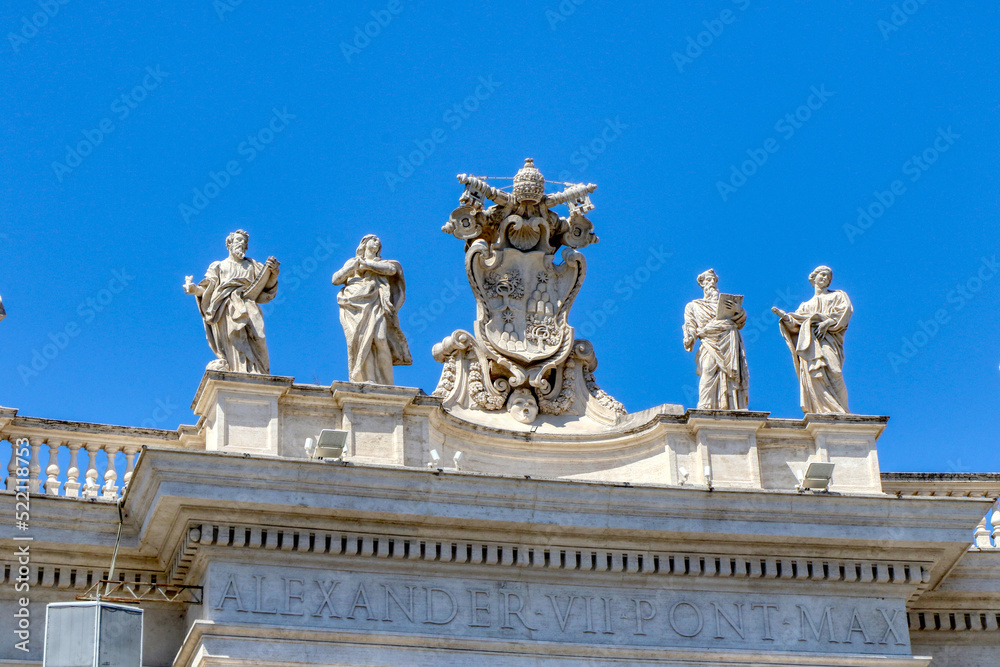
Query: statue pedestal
<point x="240" y="411"/>
<point x="748" y="450"/>
<point x="377" y="428"/>
<point x="848" y="441"/>
<point x="727" y="447"/>
<point x="270" y="415"/>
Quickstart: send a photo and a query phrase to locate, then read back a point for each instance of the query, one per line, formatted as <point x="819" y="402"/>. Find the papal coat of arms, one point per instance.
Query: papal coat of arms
<point x="523" y="356"/>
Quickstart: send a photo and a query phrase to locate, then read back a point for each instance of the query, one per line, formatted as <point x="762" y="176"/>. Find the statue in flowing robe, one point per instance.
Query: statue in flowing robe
<point x="721" y="358"/>
<point x="373" y="292"/>
<point x="229" y="299"/>
<point x="815" y="336"/>
<point x="3" y="313"/>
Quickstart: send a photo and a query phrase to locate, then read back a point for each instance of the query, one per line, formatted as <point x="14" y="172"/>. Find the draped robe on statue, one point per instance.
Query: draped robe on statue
<point x="721" y="358"/>
<point x="234" y="325"/>
<point x="819" y="360"/>
<point x="369" y="303"/>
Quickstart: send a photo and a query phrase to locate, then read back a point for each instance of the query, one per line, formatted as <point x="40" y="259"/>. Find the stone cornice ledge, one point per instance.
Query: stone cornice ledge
<point x="213" y="381"/>
<point x="169" y="484"/>
<point x="382" y="395"/>
<point x="725" y="420"/>
<point x="58" y="430"/>
<point x="330" y="644"/>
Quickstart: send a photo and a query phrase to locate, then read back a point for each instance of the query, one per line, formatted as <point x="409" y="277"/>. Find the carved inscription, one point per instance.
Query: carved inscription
<point x="475" y="608"/>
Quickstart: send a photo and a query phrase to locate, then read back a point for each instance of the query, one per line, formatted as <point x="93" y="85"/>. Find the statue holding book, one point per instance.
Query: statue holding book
<point x="716" y="320"/>
<point x="229" y="299"/>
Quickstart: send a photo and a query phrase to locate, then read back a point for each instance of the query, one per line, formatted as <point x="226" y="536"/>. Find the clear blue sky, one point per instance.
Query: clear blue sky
<point x="841" y="104"/>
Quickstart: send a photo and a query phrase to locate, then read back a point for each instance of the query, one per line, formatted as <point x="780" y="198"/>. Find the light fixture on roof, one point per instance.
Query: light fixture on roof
<point x="329" y="446"/>
<point x="817" y="477"/>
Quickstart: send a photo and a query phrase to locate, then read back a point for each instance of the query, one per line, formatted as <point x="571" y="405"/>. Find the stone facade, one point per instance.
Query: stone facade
<point x="671" y="537"/>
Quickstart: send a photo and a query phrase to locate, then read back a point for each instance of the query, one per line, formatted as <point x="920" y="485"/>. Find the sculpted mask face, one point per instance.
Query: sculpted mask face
<point x="522" y="406"/>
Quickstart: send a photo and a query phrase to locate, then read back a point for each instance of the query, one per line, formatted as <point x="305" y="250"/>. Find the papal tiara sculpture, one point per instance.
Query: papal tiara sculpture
<point x="523" y="356"/>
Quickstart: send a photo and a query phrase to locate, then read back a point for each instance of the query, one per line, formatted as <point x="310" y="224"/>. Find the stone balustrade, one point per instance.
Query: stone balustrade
<point x="77" y="459"/>
<point x="79" y="475"/>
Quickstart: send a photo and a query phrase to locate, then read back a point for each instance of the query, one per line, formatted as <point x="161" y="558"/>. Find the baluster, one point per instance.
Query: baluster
<point x="72" y="488"/>
<point x="110" y="474"/>
<point x="12" y="466"/>
<point x="981" y="538"/>
<point x="52" y="470"/>
<point x="995" y="521"/>
<point x="130" y="452"/>
<point x="90" y="487"/>
<point x="35" y="467"/>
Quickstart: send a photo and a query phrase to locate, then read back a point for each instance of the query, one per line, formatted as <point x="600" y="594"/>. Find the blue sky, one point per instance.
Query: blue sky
<point x="737" y="134"/>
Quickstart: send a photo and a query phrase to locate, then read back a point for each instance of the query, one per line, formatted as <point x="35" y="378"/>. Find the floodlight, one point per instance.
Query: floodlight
<point x="456" y="459"/>
<point x="817" y="478"/>
<point x="435" y="459"/>
<point x="684" y="475"/>
<point x="330" y="445"/>
<point x="708" y="476"/>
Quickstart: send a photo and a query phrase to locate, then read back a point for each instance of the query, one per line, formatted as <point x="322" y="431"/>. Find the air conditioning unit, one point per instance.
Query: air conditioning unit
<point x="92" y="634"/>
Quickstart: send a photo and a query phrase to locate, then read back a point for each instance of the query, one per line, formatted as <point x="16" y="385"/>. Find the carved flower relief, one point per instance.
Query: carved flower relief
<point x="509" y="337"/>
<point x="507" y="284"/>
<point x="542" y="331"/>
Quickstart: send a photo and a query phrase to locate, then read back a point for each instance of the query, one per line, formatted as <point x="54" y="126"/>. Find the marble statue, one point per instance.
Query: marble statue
<point x="229" y="299"/>
<point x="3" y="313"/>
<point x="815" y="337"/>
<point x="523" y="357"/>
<point x="721" y="358"/>
<point x="373" y="293"/>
